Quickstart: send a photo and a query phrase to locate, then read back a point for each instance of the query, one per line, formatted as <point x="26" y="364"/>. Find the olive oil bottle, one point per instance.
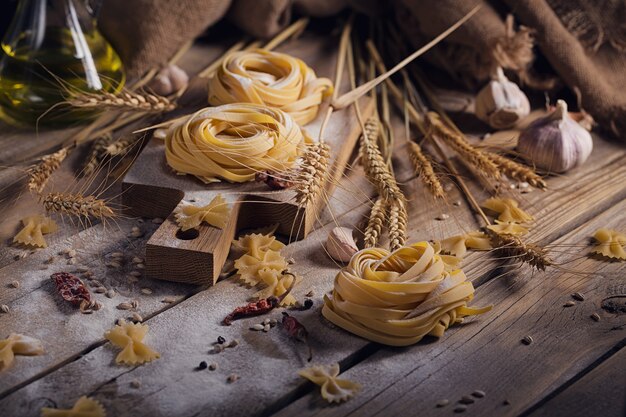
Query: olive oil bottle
<point x="51" y="51"/>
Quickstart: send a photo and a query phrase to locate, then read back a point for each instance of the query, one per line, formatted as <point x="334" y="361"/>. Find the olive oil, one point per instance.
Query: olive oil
<point x="34" y="82"/>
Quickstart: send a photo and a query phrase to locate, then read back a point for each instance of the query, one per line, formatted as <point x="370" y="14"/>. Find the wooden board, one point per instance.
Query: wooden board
<point x="152" y="189"/>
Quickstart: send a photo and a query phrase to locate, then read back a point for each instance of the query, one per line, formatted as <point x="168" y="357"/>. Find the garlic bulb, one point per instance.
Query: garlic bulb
<point x="555" y="143"/>
<point x="501" y="103"/>
<point x="169" y="80"/>
<point x="340" y="244"/>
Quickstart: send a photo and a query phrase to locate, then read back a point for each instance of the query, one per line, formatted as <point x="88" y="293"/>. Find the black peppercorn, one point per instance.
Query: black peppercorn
<point x="203" y="365"/>
<point x="221" y="340"/>
<point x="308" y="303"/>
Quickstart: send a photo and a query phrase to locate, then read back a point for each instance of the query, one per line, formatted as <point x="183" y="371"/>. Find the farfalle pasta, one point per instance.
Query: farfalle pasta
<point x="34" y="229"/>
<point x="255" y="244"/>
<point x="332" y="389"/>
<point x="271" y="79"/>
<point x="129" y="336"/>
<point x="276" y="284"/>
<point x="514" y="229"/>
<point x="610" y="243"/>
<point x="508" y="210"/>
<point x="396" y="298"/>
<point x="84" y="407"/>
<point x="234" y="142"/>
<point x="216" y="213"/>
<point x="18" y="344"/>
<point x="458" y="245"/>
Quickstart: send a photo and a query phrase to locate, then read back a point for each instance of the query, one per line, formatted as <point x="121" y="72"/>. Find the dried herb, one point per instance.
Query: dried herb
<point x="257" y="308"/>
<point x="297" y="331"/>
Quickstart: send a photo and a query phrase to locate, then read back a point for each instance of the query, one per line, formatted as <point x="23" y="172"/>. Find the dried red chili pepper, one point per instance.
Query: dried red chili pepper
<point x="73" y="290"/>
<point x="297" y="331"/>
<point x="256" y="308"/>
<point x="273" y="181"/>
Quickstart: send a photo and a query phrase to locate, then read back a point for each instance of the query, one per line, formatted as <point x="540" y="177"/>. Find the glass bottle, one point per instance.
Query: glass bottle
<point x="52" y="50"/>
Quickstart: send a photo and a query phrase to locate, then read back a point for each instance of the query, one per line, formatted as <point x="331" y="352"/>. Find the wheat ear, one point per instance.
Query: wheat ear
<point x="375" y="223"/>
<point x="124" y="101"/>
<point x="376" y="169"/>
<point x="424" y="169"/>
<point x="312" y="173"/>
<point x="460" y="145"/>
<point x="398" y="219"/>
<point x="96" y="155"/>
<point x="40" y="174"/>
<point x="120" y="147"/>
<point x="511" y="246"/>
<point x="77" y="205"/>
<point x="516" y="171"/>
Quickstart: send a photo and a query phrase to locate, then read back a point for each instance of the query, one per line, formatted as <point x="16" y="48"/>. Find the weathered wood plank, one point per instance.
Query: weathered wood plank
<point x="486" y="353"/>
<point x="599" y="393"/>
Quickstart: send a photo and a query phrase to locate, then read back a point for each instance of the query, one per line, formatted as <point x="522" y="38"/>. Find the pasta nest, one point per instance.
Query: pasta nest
<point x="397" y="298"/>
<point x="271" y="79"/>
<point x="233" y="142"/>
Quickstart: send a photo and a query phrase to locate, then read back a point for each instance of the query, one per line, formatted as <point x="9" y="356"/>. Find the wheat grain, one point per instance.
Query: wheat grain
<point x="459" y="144"/>
<point x="375" y="223"/>
<point x="124" y="101"/>
<point x="77" y="205"/>
<point x="397" y="224"/>
<point x="312" y="173"/>
<point x="511" y="246"/>
<point x="376" y="169"/>
<point x="96" y="155"/>
<point x="40" y="174"/>
<point x="516" y="170"/>
<point x="120" y="147"/>
<point x="424" y="169"/>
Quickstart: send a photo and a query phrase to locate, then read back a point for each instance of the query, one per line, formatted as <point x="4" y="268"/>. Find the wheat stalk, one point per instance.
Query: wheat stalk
<point x="459" y="144"/>
<point x="124" y="101"/>
<point x="96" y="155"/>
<point x="376" y="168"/>
<point x="516" y="171"/>
<point x="375" y="223"/>
<point x="312" y="173"/>
<point x="77" y="205"/>
<point x="120" y="147"/>
<point x="424" y="169"/>
<point x="40" y="174"/>
<point x="397" y="224"/>
<point x="511" y="246"/>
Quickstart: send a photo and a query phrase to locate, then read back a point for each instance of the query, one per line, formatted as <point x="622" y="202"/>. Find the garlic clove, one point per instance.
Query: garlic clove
<point x="169" y="80"/>
<point x="501" y="103"/>
<point x="340" y="244"/>
<point x="556" y="143"/>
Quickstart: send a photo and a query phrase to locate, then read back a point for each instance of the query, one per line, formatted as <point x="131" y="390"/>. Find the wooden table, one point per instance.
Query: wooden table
<point x="575" y="367"/>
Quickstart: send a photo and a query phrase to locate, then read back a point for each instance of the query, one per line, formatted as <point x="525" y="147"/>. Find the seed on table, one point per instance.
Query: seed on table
<point x="569" y="304"/>
<point x="169" y="300"/>
<point x="218" y="349"/>
<point x="100" y="290"/>
<point x="114" y="264"/>
<point x="137" y="260"/>
<point x="132" y="279"/>
<point x="457" y="203"/>
<point x="257" y="327"/>
<point x="595" y="317"/>
<point x="460" y="408"/>
<point x="266" y="328"/>
<point x="203" y="365"/>
<point x="135" y="229"/>
<point x="212" y="366"/>
<point x="71" y="261"/>
<point x="266" y="321"/>
<point x="578" y="296"/>
<point x="233" y="343"/>
<point x="135" y="383"/>
<point x="110" y="293"/>
<point x="15" y="284"/>
<point x="466" y="399"/>
<point x="134" y="303"/>
<point x="146" y="291"/>
<point x="442" y="216"/>
<point x="232" y="378"/>
<point x="140" y="266"/>
<point x="81" y="268"/>
<point x="527" y="340"/>
<point x="4" y="308"/>
<point x="137" y="317"/>
<point x="310" y="294"/>
<point x="71" y="253"/>
<point x="479" y="393"/>
<point x="273" y="322"/>
<point x="442" y="403"/>
<point x="117" y="255"/>
<point x="136" y="274"/>
<point x="124" y="306"/>
<point x="157" y="220"/>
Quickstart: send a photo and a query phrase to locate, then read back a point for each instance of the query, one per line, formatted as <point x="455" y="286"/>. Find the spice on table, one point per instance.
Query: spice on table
<point x="202" y="366"/>
<point x="257" y="308"/>
<point x="297" y="331"/>
<point x="73" y="290"/>
<point x="212" y="366"/>
<point x="221" y="340"/>
<point x="308" y="303"/>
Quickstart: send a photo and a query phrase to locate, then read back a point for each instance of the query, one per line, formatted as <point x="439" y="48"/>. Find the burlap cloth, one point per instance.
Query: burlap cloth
<point x="583" y="40"/>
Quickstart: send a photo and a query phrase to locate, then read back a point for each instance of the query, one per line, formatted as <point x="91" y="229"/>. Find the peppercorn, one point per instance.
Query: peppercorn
<point x="203" y="365"/>
<point x="221" y="340"/>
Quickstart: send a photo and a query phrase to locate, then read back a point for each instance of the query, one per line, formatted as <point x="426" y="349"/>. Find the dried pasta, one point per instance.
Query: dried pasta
<point x="332" y="389"/>
<point x="233" y="142"/>
<point x="255" y="244"/>
<point x="84" y="407"/>
<point x="215" y="214"/>
<point x="34" y="229"/>
<point x="276" y="284"/>
<point x="271" y="79"/>
<point x="514" y="229"/>
<point x="458" y="245"/>
<point x="18" y="344"/>
<point x="610" y="243"/>
<point x="508" y="210"/>
<point x="129" y="336"/>
<point x="396" y="298"/>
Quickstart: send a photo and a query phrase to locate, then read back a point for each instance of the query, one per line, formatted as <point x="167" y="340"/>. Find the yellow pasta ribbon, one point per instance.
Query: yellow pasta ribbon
<point x="610" y="243"/>
<point x="233" y="142"/>
<point x="271" y="79"/>
<point x="397" y="298"/>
